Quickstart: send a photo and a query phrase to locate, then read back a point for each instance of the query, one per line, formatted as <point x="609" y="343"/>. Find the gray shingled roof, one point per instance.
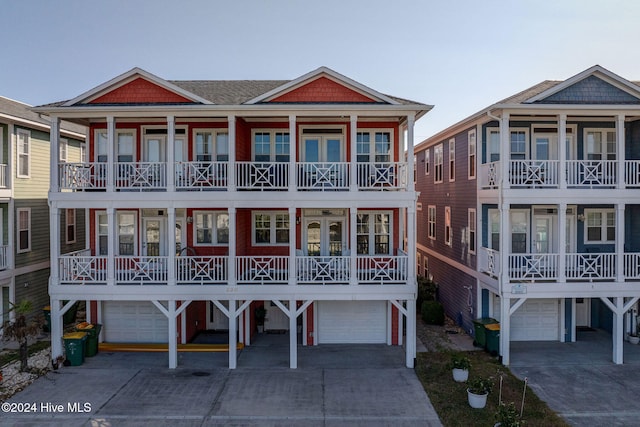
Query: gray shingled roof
<point x="228" y="92"/>
<point x="22" y="111"/>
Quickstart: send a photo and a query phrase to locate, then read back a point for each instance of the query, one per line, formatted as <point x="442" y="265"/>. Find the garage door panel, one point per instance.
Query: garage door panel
<point x="535" y="320"/>
<point x="360" y="322"/>
<point x="134" y="321"/>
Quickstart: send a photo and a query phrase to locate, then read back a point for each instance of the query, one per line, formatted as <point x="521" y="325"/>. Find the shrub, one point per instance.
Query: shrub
<point x="459" y="361"/>
<point x="432" y="313"/>
<point x="480" y="385"/>
<point x="507" y="415"/>
<point x="427" y="290"/>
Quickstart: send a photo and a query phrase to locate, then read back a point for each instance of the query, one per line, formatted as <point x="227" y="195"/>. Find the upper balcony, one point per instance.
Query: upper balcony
<point x="548" y="173"/>
<point x="249" y="176"/>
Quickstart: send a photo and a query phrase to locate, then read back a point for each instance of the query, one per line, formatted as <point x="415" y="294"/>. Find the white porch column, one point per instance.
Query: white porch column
<point x="411" y="246"/>
<point x="247" y="326"/>
<point x="231" y="173"/>
<point x="620" y="242"/>
<point x="54" y="245"/>
<point x="54" y="139"/>
<point x="505" y="328"/>
<point x="353" y="158"/>
<point x="505" y="234"/>
<point x="232" y="246"/>
<point x="56" y="329"/>
<point x="618" y="331"/>
<point x="353" y="246"/>
<point x="410" y="346"/>
<point x="620" y="154"/>
<point x="173" y="334"/>
<point x="505" y="151"/>
<point x="171" y="154"/>
<point x="411" y="186"/>
<point x="111" y="246"/>
<point x="562" y="242"/>
<point x="562" y="150"/>
<point x="171" y="219"/>
<point x="293" y="154"/>
<point x="233" y="345"/>
<point x="111" y="143"/>
<point x="293" y="335"/>
<point x="293" y="270"/>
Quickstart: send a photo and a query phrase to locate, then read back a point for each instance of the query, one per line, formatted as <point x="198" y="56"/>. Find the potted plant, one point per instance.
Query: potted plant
<point x="479" y="388"/>
<point x="634" y="338"/>
<point x="507" y="416"/>
<point x="460" y="365"/>
<point x="260" y="313"/>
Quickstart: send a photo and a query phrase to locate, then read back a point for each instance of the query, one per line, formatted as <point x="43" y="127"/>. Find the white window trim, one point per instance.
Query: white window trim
<point x="472" y="151"/>
<point x="436" y="163"/>
<point x="527" y="141"/>
<point x="603" y="132"/>
<point x="490" y="130"/>
<point x="63" y="150"/>
<point x="272" y="228"/>
<point x="69" y="224"/>
<point x="27" y="134"/>
<point x="429" y="228"/>
<point x="472" y="226"/>
<point x="372" y="142"/>
<point x="603" y="226"/>
<point x="272" y="141"/>
<point x="447" y="225"/>
<point x="114" y="154"/>
<point x="427" y="160"/>
<point x="97" y="232"/>
<point x="491" y="214"/>
<point x="28" y="229"/>
<point x="136" y="232"/>
<point x="214" y="234"/>
<point x="372" y="233"/>
<point x="214" y="147"/>
<point x="425" y="266"/>
<point x="452" y="159"/>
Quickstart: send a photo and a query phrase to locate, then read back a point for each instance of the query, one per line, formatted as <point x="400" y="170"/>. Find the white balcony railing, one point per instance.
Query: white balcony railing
<point x="262" y="176"/>
<point x="382" y="269"/>
<point x="591" y="266"/>
<point x="141" y="270"/>
<point x="591" y="173"/>
<point x="382" y="176"/>
<point x="4" y="251"/>
<point x="262" y="270"/>
<point x="533" y="266"/>
<point x="4" y="180"/>
<point x="81" y="268"/>
<point x="140" y="176"/>
<point x="632" y="173"/>
<point x="323" y="176"/>
<point x="536" y="173"/>
<point x="312" y="270"/>
<point x="198" y="176"/>
<point x="83" y="176"/>
<point x="202" y="270"/>
<point x="489" y="262"/>
<point x="632" y="266"/>
<point x="490" y="175"/>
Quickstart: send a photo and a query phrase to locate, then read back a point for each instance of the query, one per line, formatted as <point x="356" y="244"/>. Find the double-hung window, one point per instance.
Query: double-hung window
<point x="211" y="228"/>
<point x="471" y="144"/>
<point x="70" y="225"/>
<point x="431" y="222"/>
<point x="374" y="147"/>
<point x="63" y="150"/>
<point x="438" y="163"/>
<point x="600" y="225"/>
<point x="24" y="153"/>
<point x="271" y="146"/>
<point x="448" y="238"/>
<point x="103" y="233"/>
<point x="270" y="228"/>
<point x="373" y="233"/>
<point x="452" y="159"/>
<point x="126" y="233"/>
<point x="600" y="144"/>
<point x="471" y="227"/>
<point x="518" y="144"/>
<point x="427" y="161"/>
<point x="211" y="145"/>
<point x="493" y="145"/>
<point x="24" y="229"/>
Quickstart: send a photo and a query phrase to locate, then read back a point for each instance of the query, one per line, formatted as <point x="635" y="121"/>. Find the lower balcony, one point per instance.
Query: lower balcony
<point x="546" y="267"/>
<point x="79" y="268"/>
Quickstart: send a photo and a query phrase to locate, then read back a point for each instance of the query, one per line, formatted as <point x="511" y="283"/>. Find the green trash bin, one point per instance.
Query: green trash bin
<point x="493" y="338"/>
<point x="46" y="311"/>
<point x="479" y="330"/>
<point x="74" y="347"/>
<point x="92" y="331"/>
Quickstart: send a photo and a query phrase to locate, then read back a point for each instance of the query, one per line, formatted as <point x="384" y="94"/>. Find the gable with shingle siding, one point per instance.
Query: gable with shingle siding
<point x="591" y="90"/>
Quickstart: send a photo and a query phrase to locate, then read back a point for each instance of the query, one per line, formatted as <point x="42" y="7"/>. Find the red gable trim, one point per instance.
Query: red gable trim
<point x="322" y="90"/>
<point x="140" y="91"/>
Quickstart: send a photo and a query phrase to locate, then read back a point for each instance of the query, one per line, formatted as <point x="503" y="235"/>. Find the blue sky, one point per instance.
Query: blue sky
<point x="459" y="55"/>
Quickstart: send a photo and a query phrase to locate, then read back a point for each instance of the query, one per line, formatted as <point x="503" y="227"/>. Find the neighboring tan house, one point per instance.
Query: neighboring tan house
<point x="529" y="212"/>
<point x="209" y="199"/>
<point x="24" y="211"/>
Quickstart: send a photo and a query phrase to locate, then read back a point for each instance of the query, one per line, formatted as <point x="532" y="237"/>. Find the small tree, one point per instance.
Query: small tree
<point x="22" y="329"/>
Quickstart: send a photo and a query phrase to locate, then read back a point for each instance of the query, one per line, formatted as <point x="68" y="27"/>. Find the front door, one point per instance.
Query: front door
<point x="543" y="234"/>
<point x="583" y="312"/>
<point x="325" y="236"/>
<point x="154" y="148"/>
<point x="216" y="319"/>
<point x="154" y="238"/>
<point x="323" y="149"/>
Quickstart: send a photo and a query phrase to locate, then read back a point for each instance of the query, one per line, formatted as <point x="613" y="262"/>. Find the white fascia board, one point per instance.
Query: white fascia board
<point x="597" y="71"/>
<point x="569" y="109"/>
<point x="337" y="77"/>
<point x="41" y="126"/>
<point x="126" y="78"/>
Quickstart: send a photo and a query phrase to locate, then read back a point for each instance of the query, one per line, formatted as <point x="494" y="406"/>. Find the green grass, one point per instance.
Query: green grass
<point x="13" y="355"/>
<point x="449" y="398"/>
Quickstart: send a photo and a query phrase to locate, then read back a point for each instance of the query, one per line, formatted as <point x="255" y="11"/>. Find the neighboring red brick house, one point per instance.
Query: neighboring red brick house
<point x="207" y="199"/>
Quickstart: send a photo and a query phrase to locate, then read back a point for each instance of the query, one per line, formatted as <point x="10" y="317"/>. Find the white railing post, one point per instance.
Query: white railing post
<point x="111" y="137"/>
<point x="171" y="264"/>
<point x="231" y="171"/>
<point x="411" y="186"/>
<point x="111" y="246"/>
<point x="54" y="235"/>
<point x="293" y="270"/>
<point x="170" y="180"/>
<point x="353" y="245"/>
<point x="620" y="255"/>
<point x="293" y="156"/>
<point x="620" y="151"/>
<point x="232" y="247"/>
<point x="562" y="150"/>
<point x="353" y="158"/>
<point x="505" y="153"/>
<point x="54" y="138"/>
<point x="562" y="242"/>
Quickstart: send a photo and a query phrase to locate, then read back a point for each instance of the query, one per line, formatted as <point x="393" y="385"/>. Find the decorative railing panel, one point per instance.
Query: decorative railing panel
<point x="77" y="269"/>
<point x="489" y="261"/>
<point x="83" y="176"/>
<point x="262" y="176"/>
<point x="140" y="176"/>
<point x="382" y="269"/>
<point x="490" y="175"/>
<point x="202" y="270"/>
<point x="533" y="266"/>
<point x="262" y="270"/>
<point x="323" y="270"/>
<point x="591" y="173"/>
<point x="201" y="176"/>
<point x="591" y="266"/>
<point x="141" y="270"/>
<point x="382" y="176"/>
<point x="323" y="176"/>
<point x="533" y="173"/>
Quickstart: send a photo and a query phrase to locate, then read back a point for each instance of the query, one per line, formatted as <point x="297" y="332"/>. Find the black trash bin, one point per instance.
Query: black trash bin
<point x="92" y="331"/>
<point x="479" y="329"/>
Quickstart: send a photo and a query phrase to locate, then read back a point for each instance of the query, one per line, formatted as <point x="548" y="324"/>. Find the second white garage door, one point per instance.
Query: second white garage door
<point x="357" y="322"/>
<point x="535" y="320"/>
<point x="133" y="322"/>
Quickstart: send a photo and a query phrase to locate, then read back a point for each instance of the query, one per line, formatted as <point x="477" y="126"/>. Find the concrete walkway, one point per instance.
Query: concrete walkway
<point x="334" y="385"/>
<point x="579" y="381"/>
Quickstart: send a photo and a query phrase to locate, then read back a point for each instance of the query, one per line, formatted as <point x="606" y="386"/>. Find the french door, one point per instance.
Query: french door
<point x="325" y="236"/>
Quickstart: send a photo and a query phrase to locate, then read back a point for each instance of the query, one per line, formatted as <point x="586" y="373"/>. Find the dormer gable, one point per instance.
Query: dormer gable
<point x="323" y="86"/>
<point x="593" y="86"/>
<point x="137" y="87"/>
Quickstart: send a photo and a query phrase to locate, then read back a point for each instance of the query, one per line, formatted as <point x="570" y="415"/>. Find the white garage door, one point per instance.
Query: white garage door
<point x="133" y="321"/>
<point x="345" y="322"/>
<point x="536" y="320"/>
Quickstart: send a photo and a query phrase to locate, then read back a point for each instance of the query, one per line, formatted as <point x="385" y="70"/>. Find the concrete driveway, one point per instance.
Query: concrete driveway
<point x="579" y="380"/>
<point x="334" y="385"/>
